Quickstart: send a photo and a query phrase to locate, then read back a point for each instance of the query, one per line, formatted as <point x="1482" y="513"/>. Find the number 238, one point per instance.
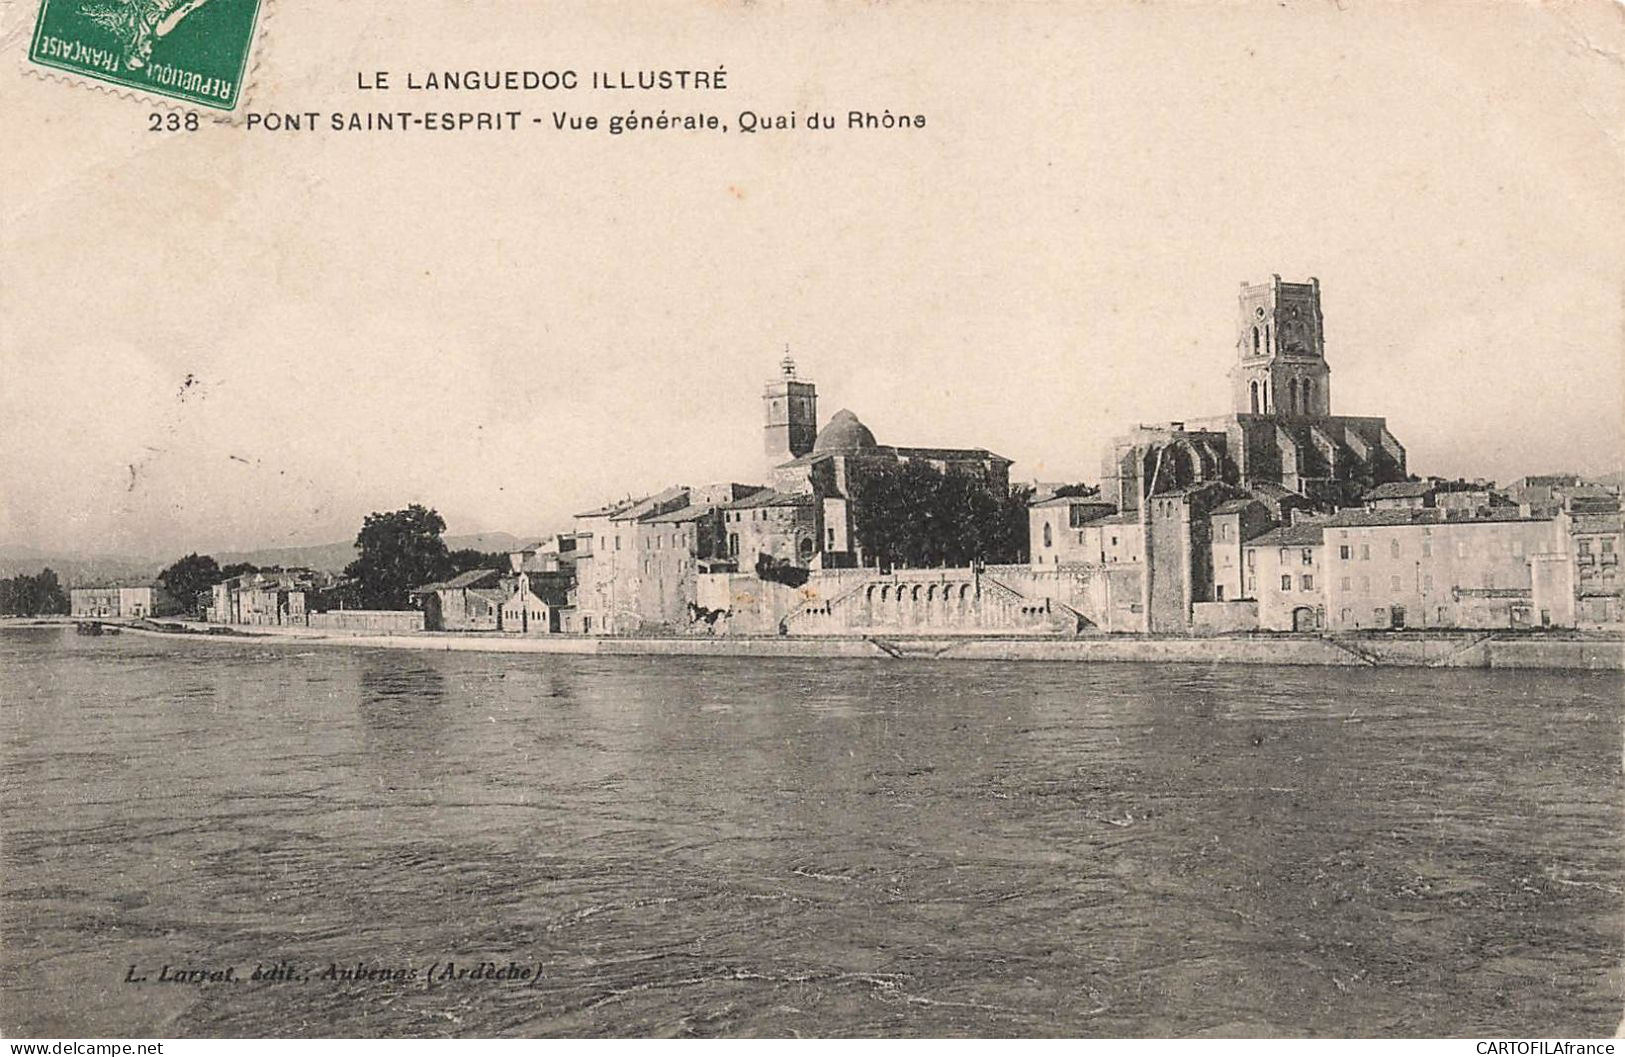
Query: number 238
<point x="172" y="122"/>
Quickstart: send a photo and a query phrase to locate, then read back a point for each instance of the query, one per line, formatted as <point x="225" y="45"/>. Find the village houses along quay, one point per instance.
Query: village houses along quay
<point x="1281" y="514"/>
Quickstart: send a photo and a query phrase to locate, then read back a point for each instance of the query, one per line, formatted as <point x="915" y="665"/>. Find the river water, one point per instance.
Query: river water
<point x="784" y="847"/>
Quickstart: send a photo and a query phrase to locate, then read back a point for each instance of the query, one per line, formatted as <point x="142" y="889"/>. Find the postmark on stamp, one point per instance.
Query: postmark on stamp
<point x="192" y="50"/>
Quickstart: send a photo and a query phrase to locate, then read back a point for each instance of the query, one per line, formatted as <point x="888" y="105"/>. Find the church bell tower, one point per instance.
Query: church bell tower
<point x="791" y="406"/>
<point x="1281" y="351"/>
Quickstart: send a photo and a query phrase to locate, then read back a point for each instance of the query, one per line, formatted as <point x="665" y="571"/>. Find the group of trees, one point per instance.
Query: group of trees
<point x="32" y="596"/>
<point x="397" y="551"/>
<point x="187" y="578"/>
<point x="912" y="514"/>
<point x="403" y="549"/>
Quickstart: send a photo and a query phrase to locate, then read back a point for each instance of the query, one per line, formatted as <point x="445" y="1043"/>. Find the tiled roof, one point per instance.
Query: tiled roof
<point x="687" y="513"/>
<point x="611" y="509"/>
<point x="768" y="497"/>
<point x="1076" y="500"/>
<point x="1305" y="535"/>
<point x="949" y="454"/>
<point x="472" y="578"/>
<point x="644" y="508"/>
<point x="1429" y="516"/>
<point x="1597" y="522"/>
<point x="1401" y="490"/>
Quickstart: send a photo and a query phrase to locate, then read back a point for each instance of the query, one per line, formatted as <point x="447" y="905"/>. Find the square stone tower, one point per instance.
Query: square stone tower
<point x="791" y="407"/>
<point x="1281" y="351"/>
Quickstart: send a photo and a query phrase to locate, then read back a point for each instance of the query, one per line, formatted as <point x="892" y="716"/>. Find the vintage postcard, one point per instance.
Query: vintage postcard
<point x="763" y="519"/>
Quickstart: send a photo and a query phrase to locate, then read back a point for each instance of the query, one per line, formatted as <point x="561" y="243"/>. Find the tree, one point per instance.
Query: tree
<point x="236" y="569"/>
<point x="468" y="558"/>
<point x="188" y="578"/>
<point x="912" y="514"/>
<point x="399" y="550"/>
<point x="30" y="596"/>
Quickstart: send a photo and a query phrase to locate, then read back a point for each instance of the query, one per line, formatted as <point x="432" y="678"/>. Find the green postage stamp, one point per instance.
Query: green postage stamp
<point x="195" y="50"/>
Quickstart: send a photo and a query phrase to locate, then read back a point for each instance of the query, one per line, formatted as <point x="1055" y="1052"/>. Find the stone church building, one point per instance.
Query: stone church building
<point x="826" y="467"/>
<point x="1280" y="443"/>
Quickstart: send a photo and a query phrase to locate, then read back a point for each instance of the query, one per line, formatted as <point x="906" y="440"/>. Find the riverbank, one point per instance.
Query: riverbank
<point x="1415" y="649"/>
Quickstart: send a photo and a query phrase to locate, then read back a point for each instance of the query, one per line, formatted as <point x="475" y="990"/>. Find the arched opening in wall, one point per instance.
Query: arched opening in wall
<point x="1049" y="540"/>
<point x="1308" y="401"/>
<point x="806" y="548"/>
<point x="1255" y="341"/>
<point x="1292" y="394"/>
<point x="1266" y="396"/>
<point x="885" y="594"/>
<point x="1255" y="397"/>
<point x="1303" y="619"/>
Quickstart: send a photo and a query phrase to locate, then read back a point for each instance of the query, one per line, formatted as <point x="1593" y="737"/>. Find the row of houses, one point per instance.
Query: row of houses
<point x="1226" y="562"/>
<point x="120" y="600"/>
<point x="269" y="597"/>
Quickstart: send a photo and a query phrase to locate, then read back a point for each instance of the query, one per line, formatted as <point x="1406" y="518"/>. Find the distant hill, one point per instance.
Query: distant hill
<point x="333" y="557"/>
<point x="79" y="570"/>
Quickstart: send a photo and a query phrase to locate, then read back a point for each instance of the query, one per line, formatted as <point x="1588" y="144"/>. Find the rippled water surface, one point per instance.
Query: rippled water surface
<point x="732" y="847"/>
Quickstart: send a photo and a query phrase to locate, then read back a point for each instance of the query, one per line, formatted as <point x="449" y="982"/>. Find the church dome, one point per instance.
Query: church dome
<point x="844" y="433"/>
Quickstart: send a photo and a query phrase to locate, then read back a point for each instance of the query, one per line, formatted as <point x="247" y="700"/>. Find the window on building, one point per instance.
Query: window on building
<point x="1047" y="540"/>
<point x="831" y="537"/>
<point x="1608" y="546"/>
<point x="1286" y="583"/>
<point x="1282" y="556"/>
<point x="1393" y="548"/>
<point x="1348" y="583"/>
<point x="1344" y="552"/>
<point x="1306" y="582"/>
<point x="1365" y="585"/>
<point x="1252" y="555"/>
<point x="1308" y="556"/>
<point x="1585" y="546"/>
<point x="1427" y="548"/>
<point x="1365" y="552"/>
<point x="1218" y="592"/>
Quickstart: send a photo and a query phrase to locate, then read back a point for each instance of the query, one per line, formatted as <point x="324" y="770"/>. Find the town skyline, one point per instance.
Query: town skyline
<point x="1502" y="462"/>
<point x="1053" y="259"/>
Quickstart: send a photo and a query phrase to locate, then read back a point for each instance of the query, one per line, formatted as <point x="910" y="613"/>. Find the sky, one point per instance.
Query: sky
<point x="230" y="339"/>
